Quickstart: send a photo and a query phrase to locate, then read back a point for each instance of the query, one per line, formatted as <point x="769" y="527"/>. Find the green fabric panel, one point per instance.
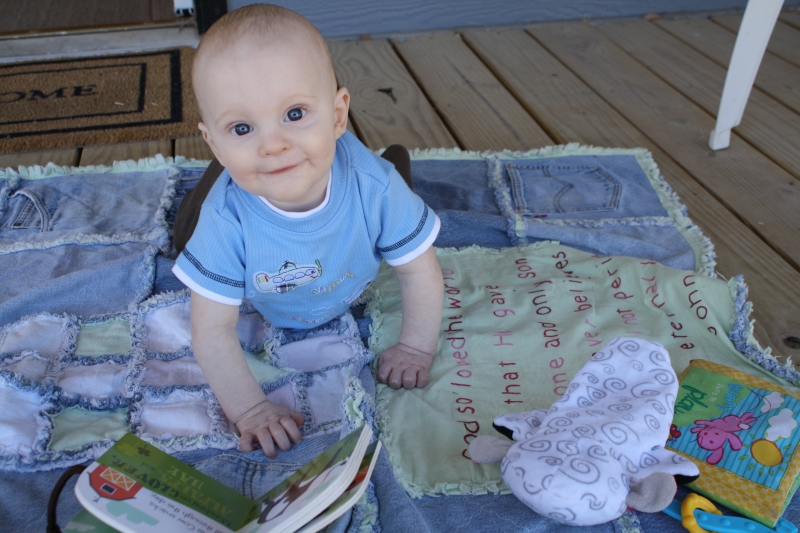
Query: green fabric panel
<point x="517" y="325"/>
<point x="75" y="427"/>
<point x="111" y="336"/>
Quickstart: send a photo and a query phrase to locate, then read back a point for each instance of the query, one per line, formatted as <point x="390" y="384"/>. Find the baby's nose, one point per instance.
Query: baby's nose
<point x="272" y="143"/>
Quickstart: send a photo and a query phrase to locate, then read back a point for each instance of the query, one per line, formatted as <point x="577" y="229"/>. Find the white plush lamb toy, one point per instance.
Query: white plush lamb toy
<point x="600" y="448"/>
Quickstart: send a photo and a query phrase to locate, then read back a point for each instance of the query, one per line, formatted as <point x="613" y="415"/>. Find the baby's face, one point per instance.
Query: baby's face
<point x="272" y="117"/>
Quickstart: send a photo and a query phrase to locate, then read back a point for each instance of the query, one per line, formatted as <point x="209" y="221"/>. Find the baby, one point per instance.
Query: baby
<point x="299" y="221"/>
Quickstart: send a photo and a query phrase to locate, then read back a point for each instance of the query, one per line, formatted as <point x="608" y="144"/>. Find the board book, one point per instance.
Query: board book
<point x="136" y="488"/>
<point x="742" y="432"/>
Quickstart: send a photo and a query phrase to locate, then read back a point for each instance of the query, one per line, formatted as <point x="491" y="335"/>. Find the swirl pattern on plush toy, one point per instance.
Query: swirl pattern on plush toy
<point x="577" y="461"/>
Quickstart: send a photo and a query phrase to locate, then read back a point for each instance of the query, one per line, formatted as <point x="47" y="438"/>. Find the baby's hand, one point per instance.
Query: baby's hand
<point x="404" y="366"/>
<point x="269" y="424"/>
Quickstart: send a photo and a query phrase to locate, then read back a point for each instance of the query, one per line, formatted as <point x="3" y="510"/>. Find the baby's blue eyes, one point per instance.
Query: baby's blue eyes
<point x="242" y="129"/>
<point x="295" y="114"/>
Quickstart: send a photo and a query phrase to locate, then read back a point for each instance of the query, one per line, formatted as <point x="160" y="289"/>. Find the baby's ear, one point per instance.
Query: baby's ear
<point x="206" y="137"/>
<point x="341" y="107"/>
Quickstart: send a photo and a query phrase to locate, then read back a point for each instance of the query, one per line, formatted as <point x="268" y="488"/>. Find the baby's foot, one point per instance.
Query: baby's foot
<point x="404" y="366"/>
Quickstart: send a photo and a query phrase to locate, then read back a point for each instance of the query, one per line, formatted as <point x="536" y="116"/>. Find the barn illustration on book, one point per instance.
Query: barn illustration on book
<point x="111" y="484"/>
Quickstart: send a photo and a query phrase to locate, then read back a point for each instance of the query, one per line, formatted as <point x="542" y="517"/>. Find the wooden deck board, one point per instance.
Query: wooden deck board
<point x="767" y="124"/>
<point x="193" y="148"/>
<point x="570" y="83"/>
<point x="792" y="19"/>
<point x="386" y="104"/>
<point x="746" y="181"/>
<point x="776" y="77"/>
<point x="573" y="112"/>
<point x="480" y="112"/>
<point x="106" y="154"/>
<point x="65" y="157"/>
<point x="784" y="41"/>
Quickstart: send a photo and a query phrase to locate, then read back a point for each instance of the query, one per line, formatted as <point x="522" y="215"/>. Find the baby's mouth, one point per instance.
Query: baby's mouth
<point x="281" y="170"/>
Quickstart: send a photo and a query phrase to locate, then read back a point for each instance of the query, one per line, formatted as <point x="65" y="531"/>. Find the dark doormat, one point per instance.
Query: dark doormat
<point x="99" y="100"/>
<point x="32" y="16"/>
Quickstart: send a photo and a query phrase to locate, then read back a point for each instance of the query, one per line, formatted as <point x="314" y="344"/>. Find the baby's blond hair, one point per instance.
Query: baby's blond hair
<point x="264" y="23"/>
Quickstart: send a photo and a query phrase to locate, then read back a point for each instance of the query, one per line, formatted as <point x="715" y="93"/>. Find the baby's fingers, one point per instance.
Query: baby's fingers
<point x="265" y="439"/>
<point x="292" y="426"/>
<point x="384" y="370"/>
<point x="246" y="441"/>
<point x="415" y="377"/>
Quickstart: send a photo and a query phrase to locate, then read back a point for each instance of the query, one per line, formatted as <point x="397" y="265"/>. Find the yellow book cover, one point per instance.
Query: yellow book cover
<point x="742" y="432"/>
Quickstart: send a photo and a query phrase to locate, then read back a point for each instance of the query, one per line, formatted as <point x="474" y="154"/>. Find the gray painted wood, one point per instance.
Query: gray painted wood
<point x="344" y="18"/>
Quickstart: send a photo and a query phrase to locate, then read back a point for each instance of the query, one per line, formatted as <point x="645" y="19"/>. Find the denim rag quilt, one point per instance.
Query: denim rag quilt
<point x="87" y="363"/>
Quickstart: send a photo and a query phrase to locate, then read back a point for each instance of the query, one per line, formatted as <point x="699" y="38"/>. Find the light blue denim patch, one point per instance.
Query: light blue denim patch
<point x="85" y="208"/>
<point x="81" y="280"/>
<point x="599" y="203"/>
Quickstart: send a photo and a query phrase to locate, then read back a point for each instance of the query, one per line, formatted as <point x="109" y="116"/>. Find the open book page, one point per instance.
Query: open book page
<point x="350" y="496"/>
<point x="310" y="490"/>
<point x="135" y="487"/>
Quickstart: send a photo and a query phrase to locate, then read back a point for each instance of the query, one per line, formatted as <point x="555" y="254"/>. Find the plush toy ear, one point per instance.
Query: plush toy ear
<point x="652" y="494"/>
<point x="486" y="450"/>
<point x="504" y="431"/>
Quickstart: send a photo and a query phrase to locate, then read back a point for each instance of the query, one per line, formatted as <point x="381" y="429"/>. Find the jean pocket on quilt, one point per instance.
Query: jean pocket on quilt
<point x="551" y="189"/>
<point x="26" y="211"/>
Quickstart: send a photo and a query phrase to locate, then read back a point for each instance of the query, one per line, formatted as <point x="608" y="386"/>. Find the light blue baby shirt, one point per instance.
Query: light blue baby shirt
<point x="300" y="272"/>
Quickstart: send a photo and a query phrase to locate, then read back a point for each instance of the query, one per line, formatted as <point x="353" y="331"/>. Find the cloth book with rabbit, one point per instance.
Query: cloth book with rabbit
<point x="743" y="433"/>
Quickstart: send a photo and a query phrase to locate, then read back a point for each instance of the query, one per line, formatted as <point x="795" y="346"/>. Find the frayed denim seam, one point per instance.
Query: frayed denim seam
<point x="11" y="184"/>
<point x="162" y="392"/>
<point x="164" y="205"/>
<point x="369" y="522"/>
<point x="24" y="383"/>
<point x="502" y="196"/>
<point x="646" y="222"/>
<point x="136" y="316"/>
<point x="358" y="407"/>
<point x="158" y="237"/>
<point x="146" y="273"/>
<point x="742" y="336"/>
<point x="158" y="162"/>
<point x="93" y="403"/>
<point x="55" y="460"/>
<point x="180" y="353"/>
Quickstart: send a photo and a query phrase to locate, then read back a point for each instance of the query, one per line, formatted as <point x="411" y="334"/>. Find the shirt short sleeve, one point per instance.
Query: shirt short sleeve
<point x="213" y="262"/>
<point x="408" y="226"/>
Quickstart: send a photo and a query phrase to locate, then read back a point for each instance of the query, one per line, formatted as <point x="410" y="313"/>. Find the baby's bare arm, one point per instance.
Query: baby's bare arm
<point x="407" y="363"/>
<point x="219" y="354"/>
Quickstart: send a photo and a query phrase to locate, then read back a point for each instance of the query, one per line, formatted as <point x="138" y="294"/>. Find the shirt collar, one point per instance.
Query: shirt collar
<point x="302" y="214"/>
